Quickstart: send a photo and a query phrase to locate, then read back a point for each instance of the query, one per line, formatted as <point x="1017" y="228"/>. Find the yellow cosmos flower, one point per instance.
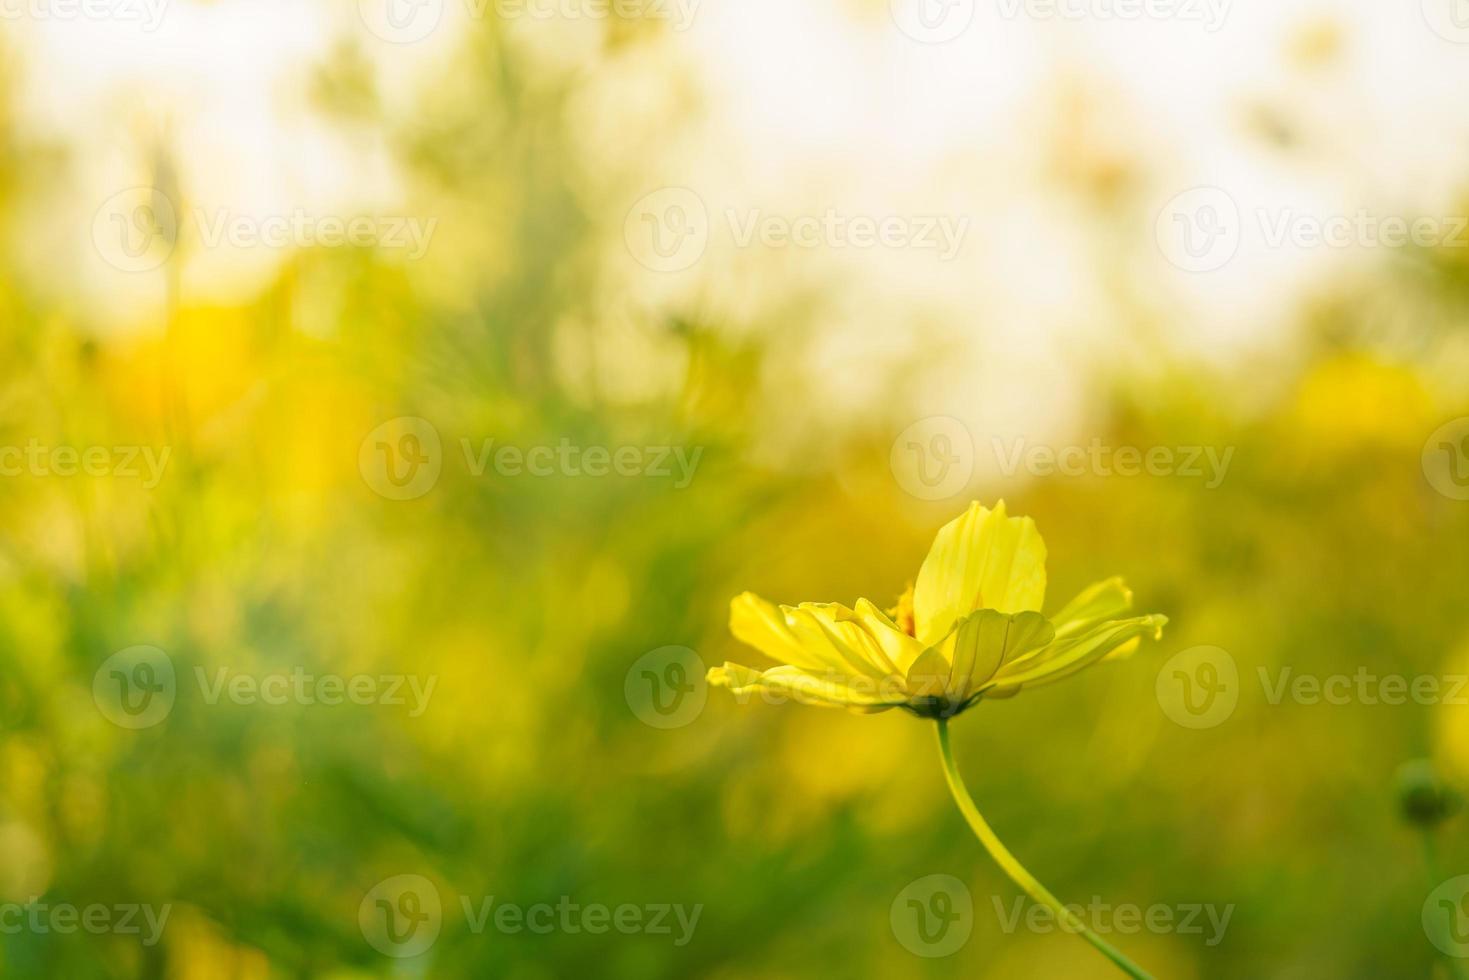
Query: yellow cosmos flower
<point x="969" y="628"/>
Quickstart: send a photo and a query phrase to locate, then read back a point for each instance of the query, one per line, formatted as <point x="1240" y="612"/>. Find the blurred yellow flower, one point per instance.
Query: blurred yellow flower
<point x="970" y="627"/>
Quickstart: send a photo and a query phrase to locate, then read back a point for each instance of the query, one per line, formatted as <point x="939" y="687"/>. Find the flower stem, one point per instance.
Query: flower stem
<point x="1015" y="869"/>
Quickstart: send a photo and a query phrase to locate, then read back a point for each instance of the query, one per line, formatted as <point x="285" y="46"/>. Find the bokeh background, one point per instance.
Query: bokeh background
<point x="541" y="156"/>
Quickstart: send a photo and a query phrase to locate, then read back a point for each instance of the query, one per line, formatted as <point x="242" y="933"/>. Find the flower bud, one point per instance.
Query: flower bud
<point x="1425" y="799"/>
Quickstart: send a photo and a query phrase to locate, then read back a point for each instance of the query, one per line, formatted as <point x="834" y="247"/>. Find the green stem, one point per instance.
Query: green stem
<point x="1015" y="869"/>
<point x="1430" y="859"/>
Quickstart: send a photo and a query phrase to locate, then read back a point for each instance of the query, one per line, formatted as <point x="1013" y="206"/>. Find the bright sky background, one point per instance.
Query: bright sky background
<point x="823" y="104"/>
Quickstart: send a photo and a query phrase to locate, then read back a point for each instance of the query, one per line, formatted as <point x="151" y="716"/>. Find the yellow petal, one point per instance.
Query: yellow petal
<point x="1064" y="657"/>
<point x="860" y="693"/>
<point x="839" y="628"/>
<point x="980" y="560"/>
<point x="1094" y="604"/>
<point x="900" y="648"/>
<point x="983" y="642"/>
<point x="762" y="625"/>
<point x="817" y="637"/>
